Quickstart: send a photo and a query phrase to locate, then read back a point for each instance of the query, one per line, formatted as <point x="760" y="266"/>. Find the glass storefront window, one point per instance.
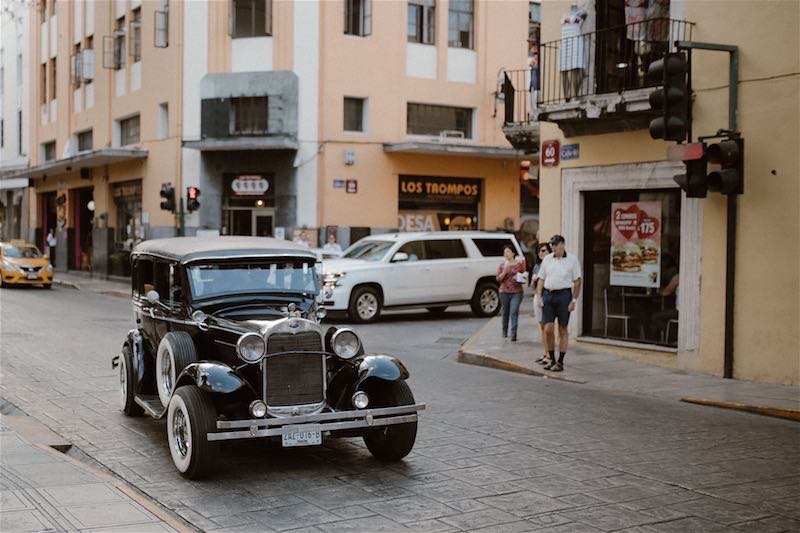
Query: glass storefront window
<point x="631" y="257"/>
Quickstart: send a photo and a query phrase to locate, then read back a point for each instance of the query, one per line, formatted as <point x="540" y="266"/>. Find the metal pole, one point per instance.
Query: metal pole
<point x="181" y="229"/>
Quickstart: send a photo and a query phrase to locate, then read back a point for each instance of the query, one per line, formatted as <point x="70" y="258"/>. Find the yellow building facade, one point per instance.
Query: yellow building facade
<point x="612" y="163"/>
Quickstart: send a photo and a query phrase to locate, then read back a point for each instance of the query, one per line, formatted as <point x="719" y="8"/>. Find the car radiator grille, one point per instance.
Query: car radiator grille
<point x="294" y="378"/>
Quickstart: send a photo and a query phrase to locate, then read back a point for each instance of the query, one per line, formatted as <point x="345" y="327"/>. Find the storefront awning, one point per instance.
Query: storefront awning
<point x="87" y="159"/>
<point x="243" y="143"/>
<point x="16" y="183"/>
<point x="457" y="149"/>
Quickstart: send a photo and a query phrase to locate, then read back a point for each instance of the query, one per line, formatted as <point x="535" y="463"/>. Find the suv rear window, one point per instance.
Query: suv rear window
<point x="445" y="249"/>
<point x="492" y="247"/>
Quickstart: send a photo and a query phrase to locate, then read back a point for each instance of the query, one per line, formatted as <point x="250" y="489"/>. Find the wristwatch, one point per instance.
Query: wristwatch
<point x="574" y="301"/>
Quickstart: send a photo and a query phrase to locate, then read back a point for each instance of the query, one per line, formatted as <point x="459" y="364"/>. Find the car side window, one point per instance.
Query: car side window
<point x="144" y="276"/>
<point x="161" y="280"/>
<point x="415" y="250"/>
<point x="492" y="247"/>
<point x="445" y="249"/>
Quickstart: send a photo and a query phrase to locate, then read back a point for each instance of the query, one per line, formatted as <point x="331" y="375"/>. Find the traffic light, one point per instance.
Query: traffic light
<point x="672" y="99"/>
<point x="192" y="199"/>
<point x="168" y="195"/>
<point x="729" y="155"/>
<point x="694" y="183"/>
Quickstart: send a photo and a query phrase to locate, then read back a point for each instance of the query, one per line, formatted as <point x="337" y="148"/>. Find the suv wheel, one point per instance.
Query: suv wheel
<point x="190" y="417"/>
<point x="365" y="305"/>
<point x="127" y="384"/>
<point x="486" y="300"/>
<point x="392" y="443"/>
<point x="175" y="352"/>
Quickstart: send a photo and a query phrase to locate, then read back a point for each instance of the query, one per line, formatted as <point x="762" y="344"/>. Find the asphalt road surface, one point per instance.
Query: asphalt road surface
<point x="495" y="451"/>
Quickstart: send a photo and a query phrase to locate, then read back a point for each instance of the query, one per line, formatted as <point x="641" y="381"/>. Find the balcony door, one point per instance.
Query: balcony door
<point x="611" y="46"/>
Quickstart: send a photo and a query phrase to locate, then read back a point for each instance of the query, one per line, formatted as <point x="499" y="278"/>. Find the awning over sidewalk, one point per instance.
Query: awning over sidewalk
<point x="88" y="159"/>
<point x="243" y="143"/>
<point x="451" y="148"/>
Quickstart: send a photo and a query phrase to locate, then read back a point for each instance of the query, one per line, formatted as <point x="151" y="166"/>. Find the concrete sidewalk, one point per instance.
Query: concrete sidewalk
<point x="599" y="367"/>
<point x="42" y="489"/>
<point x="87" y="281"/>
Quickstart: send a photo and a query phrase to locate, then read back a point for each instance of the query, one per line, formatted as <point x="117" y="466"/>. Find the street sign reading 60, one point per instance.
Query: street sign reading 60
<point x="550" y="153"/>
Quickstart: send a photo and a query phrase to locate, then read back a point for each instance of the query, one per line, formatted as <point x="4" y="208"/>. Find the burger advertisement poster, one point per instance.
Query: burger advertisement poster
<point x="636" y="244"/>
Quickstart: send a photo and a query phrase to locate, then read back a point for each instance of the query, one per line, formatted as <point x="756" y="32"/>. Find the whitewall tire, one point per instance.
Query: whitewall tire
<point x="190" y="417"/>
<point x="175" y="351"/>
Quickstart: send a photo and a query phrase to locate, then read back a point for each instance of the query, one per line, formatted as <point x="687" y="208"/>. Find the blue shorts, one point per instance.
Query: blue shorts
<point x="556" y="306"/>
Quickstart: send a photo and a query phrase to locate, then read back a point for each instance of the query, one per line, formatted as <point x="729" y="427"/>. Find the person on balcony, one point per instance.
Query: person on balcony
<point x="571" y="59"/>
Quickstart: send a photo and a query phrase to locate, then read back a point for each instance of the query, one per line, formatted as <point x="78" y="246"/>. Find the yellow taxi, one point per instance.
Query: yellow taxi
<point x="22" y="263"/>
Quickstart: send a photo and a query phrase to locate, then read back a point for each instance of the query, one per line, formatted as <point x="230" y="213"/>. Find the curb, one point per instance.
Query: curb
<point x="787" y="414"/>
<point x="67" y="284"/>
<point x="474" y="357"/>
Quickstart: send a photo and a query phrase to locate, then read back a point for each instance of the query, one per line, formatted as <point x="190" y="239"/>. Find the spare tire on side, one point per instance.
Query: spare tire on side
<point x="175" y="352"/>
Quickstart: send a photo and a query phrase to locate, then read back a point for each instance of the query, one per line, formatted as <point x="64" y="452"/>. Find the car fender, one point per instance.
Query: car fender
<point x="214" y="377"/>
<point x="380" y="366"/>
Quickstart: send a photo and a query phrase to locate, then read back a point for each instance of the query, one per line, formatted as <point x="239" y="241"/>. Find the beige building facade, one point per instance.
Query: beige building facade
<point x="609" y="167"/>
<point x="347" y="117"/>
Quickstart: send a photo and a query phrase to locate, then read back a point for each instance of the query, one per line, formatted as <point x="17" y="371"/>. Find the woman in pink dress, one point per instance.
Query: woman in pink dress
<point x="511" y="274"/>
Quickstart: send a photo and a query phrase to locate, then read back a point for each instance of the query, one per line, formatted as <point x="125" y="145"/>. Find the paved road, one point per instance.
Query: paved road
<point x="495" y="452"/>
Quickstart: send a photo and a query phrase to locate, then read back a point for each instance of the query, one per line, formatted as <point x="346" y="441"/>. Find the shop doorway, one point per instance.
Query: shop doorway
<point x="251" y="222"/>
<point x="48" y="220"/>
<point x="81" y="235"/>
<point x="630" y="262"/>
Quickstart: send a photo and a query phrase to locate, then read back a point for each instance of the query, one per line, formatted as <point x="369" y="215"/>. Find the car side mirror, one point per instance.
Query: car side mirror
<point x="399" y="257"/>
<point x="152" y="297"/>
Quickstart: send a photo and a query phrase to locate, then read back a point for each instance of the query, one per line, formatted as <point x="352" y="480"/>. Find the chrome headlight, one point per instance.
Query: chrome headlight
<point x="332" y="278"/>
<point x="49" y="267"/>
<point x="345" y="343"/>
<point x="8" y="265"/>
<point x="251" y="347"/>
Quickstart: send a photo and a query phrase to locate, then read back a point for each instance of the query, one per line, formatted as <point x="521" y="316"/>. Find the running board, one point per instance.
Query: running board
<point x="151" y="405"/>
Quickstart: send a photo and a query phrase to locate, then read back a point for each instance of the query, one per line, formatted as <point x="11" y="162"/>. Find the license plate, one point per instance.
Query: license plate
<point x="33" y="276"/>
<point x="301" y="436"/>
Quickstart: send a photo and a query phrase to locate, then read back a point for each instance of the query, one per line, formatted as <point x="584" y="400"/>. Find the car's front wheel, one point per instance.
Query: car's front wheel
<point x="365" y="305"/>
<point x="392" y="443"/>
<point x="127" y="384"/>
<point x="486" y="300"/>
<point x="175" y="351"/>
<point x="190" y="417"/>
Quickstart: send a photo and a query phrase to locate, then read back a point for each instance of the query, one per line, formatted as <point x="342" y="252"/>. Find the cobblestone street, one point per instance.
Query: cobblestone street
<point x="496" y="451"/>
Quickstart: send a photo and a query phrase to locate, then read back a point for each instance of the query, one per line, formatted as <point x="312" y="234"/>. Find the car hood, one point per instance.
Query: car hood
<point x="27" y="261"/>
<point x="345" y="265"/>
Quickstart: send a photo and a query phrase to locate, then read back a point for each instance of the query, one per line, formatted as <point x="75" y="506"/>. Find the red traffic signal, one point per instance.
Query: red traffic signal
<point x="192" y="198"/>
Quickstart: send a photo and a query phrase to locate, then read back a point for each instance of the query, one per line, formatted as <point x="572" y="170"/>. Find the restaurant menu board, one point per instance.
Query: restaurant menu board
<point x="636" y="244"/>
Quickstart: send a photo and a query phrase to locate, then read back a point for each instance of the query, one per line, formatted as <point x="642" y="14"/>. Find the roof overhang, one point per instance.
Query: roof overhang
<point x="87" y="159"/>
<point x="243" y="143"/>
<point x="454" y="149"/>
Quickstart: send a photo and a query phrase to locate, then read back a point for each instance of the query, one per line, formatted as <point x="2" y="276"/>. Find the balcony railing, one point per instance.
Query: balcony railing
<point x="606" y="61"/>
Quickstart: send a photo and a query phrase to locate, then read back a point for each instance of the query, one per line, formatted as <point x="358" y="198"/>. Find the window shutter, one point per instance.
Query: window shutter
<point x="428" y="24"/>
<point x="367" y="17"/>
<point x="88" y="65"/>
<point x="268" y="16"/>
<point x="348" y="10"/>
<point x="161" y="29"/>
<point x="231" y="8"/>
<point x="109" y="46"/>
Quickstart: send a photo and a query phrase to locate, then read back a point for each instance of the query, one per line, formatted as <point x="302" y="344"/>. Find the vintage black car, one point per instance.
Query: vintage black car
<point x="228" y="345"/>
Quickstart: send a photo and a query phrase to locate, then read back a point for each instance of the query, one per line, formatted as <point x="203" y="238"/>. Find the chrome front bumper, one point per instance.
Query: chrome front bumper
<point x="275" y="427"/>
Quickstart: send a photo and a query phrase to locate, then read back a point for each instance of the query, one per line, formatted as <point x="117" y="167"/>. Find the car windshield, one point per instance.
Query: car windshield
<point x="368" y="250"/>
<point x="208" y="281"/>
<point x="25" y="252"/>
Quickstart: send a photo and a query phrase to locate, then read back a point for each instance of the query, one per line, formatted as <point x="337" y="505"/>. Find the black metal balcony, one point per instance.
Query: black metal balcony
<point x="595" y="82"/>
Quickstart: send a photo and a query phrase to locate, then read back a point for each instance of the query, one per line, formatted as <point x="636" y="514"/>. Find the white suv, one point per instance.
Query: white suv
<point x="411" y="270"/>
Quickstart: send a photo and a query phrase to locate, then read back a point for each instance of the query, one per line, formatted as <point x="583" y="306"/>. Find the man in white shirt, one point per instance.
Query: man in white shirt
<point x="558" y="289"/>
<point x="332" y="246"/>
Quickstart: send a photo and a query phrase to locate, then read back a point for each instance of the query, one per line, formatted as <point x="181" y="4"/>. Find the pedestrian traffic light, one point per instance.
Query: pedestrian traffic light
<point x="729" y="155"/>
<point x="694" y="183"/>
<point x="672" y="99"/>
<point x="192" y="199"/>
<point x="168" y="195"/>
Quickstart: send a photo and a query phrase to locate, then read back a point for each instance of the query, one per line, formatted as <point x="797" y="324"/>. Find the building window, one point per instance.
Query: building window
<point x="422" y="21"/>
<point x="354" y="114"/>
<point x="49" y="151"/>
<point x="248" y="116"/>
<point x="161" y="27"/>
<point x="136" y="35"/>
<point x="163" y="120"/>
<point x="87" y="60"/>
<point x="53" y="79"/>
<point x="43" y="82"/>
<point x="76" y="66"/>
<point x="534" y="26"/>
<point x="460" y="24"/>
<point x="2" y="133"/>
<point x="251" y="18"/>
<point x="358" y="17"/>
<point x="439" y="120"/>
<point x="114" y="47"/>
<point x="129" y="131"/>
<point x="85" y="141"/>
